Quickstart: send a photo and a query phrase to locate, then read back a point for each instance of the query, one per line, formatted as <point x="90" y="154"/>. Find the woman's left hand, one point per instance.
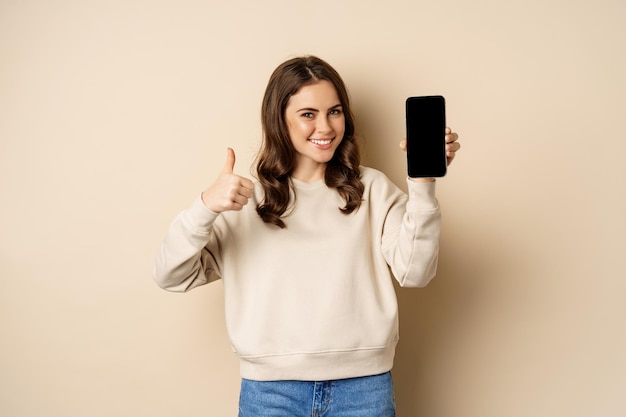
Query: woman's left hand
<point x="452" y="146"/>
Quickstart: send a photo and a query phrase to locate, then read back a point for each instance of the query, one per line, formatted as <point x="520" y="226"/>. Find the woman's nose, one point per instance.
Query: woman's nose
<point x="323" y="125"/>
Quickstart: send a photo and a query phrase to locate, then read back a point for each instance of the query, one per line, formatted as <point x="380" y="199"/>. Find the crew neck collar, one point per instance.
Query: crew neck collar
<point x="302" y="185"/>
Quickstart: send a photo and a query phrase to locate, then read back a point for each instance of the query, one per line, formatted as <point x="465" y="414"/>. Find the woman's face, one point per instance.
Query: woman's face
<point x="316" y="124"/>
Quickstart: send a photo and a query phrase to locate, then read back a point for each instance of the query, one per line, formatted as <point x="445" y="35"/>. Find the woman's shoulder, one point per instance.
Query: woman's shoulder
<point x="369" y="173"/>
<point x="377" y="180"/>
<point x="372" y="175"/>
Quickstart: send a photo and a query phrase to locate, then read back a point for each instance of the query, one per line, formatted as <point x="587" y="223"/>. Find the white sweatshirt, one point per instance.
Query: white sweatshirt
<point x="314" y="301"/>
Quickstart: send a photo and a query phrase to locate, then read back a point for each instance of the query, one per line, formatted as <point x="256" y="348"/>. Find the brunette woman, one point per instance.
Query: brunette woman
<point x="307" y="254"/>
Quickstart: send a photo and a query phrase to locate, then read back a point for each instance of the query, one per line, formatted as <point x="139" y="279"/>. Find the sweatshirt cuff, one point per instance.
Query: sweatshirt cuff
<point x="421" y="196"/>
<point x="200" y="218"/>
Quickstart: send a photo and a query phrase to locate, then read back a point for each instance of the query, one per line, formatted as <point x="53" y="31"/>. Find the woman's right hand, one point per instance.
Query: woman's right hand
<point x="229" y="191"/>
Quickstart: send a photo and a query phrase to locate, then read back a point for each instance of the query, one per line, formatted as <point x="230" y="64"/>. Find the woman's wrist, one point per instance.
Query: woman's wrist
<point x="422" y="179"/>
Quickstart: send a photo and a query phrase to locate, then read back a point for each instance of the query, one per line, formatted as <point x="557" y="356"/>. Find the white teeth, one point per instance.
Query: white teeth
<point x="320" y="142"/>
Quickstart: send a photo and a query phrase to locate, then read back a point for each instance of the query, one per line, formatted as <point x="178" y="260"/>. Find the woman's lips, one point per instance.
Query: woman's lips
<point x="321" y="143"/>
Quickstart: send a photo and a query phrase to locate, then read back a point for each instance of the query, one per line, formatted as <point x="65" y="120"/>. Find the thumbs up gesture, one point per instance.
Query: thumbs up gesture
<point x="229" y="191"/>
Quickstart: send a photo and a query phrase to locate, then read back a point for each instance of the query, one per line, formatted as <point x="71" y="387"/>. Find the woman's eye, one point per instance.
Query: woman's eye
<point x="335" y="112"/>
<point x="307" y="115"/>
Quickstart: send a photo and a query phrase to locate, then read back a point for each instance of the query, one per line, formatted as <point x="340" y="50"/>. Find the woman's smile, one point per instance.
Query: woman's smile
<point x="323" y="144"/>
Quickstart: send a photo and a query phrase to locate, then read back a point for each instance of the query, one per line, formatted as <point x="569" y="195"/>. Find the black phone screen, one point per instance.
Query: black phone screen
<point x="425" y="136"/>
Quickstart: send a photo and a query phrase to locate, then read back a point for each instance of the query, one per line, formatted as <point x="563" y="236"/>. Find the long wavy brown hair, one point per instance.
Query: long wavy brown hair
<point x="276" y="159"/>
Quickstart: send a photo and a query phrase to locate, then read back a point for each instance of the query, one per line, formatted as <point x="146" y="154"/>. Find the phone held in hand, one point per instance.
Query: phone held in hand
<point x="425" y="136"/>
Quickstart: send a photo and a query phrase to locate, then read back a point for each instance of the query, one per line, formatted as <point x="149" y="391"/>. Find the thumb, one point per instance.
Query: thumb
<point x="230" y="161"/>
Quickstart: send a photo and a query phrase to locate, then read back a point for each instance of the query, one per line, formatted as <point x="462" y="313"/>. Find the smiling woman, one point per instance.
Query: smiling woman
<point x="326" y="234"/>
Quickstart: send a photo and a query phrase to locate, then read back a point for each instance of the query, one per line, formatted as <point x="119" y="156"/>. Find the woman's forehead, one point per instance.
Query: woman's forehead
<point x="320" y="93"/>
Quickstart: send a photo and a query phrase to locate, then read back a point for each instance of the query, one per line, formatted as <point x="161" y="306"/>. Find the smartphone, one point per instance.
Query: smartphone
<point x="425" y="136"/>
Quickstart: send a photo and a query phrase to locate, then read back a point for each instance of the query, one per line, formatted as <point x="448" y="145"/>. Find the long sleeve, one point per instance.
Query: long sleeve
<point x="183" y="262"/>
<point x="410" y="241"/>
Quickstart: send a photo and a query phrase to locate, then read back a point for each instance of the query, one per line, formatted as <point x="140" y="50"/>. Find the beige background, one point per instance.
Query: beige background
<point x="115" y="114"/>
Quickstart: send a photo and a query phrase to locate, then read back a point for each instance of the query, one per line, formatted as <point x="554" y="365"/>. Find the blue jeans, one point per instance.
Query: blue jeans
<point x="370" y="396"/>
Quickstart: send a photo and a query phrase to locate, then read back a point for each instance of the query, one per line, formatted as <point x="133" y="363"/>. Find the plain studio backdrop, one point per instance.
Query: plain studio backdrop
<point x="115" y="115"/>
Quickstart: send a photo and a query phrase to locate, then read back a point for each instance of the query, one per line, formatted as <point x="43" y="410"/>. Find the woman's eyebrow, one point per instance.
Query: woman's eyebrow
<point x="313" y="109"/>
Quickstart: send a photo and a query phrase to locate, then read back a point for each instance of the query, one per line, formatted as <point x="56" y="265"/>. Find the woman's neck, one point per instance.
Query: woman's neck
<point x="309" y="173"/>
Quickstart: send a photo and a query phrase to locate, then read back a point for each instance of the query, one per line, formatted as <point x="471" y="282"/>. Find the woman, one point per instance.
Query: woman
<point x="307" y="254"/>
